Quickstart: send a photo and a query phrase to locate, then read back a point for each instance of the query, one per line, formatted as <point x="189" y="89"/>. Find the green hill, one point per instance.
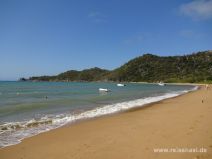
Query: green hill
<point x="196" y="67"/>
<point x="93" y="74"/>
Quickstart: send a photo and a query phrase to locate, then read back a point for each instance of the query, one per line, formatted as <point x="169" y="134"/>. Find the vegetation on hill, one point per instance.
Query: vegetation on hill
<point x="189" y="68"/>
<point x="93" y="74"/>
<point x="196" y="67"/>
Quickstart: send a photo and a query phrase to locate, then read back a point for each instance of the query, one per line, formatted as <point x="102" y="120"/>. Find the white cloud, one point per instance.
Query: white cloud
<point x="93" y="14"/>
<point x="97" y="17"/>
<point x="197" y="9"/>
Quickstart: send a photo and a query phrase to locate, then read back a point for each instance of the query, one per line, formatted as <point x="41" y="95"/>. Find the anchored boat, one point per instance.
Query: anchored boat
<point x="104" y="90"/>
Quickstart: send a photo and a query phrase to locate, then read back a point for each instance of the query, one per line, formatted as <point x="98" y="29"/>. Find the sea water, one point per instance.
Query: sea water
<point x="29" y="108"/>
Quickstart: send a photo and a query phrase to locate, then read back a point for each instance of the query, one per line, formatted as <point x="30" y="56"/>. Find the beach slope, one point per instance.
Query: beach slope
<point x="181" y="122"/>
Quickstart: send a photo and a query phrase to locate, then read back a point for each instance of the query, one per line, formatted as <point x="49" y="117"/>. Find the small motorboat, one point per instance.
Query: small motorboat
<point x="121" y="85"/>
<point x="104" y="90"/>
<point x="161" y="84"/>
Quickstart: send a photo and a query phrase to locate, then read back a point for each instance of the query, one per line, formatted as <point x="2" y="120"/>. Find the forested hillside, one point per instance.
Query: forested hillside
<point x="196" y="67"/>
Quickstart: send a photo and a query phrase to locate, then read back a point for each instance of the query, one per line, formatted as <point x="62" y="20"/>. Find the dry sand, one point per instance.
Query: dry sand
<point x="181" y="122"/>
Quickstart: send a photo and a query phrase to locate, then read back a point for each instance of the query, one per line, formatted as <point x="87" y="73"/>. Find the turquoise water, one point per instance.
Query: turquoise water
<point x="28" y="108"/>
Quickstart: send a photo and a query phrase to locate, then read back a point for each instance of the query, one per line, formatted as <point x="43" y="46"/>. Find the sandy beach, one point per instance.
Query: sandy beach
<point x="183" y="122"/>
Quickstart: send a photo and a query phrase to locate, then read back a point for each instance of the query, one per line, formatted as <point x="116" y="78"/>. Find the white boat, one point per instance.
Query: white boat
<point x="161" y="84"/>
<point x="104" y="90"/>
<point x="121" y="85"/>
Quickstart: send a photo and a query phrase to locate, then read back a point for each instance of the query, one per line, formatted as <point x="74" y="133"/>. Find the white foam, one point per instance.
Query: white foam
<point x="16" y="131"/>
<point x="113" y="108"/>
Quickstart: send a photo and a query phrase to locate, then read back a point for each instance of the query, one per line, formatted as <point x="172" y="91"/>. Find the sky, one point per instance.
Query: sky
<point x="47" y="37"/>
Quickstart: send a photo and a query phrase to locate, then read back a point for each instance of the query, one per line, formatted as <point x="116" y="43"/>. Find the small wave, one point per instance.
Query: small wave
<point x="14" y="132"/>
<point x="16" y="126"/>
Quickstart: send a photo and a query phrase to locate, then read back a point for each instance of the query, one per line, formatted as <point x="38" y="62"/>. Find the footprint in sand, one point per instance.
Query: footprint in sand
<point x="196" y="121"/>
<point x="190" y="131"/>
<point x="201" y="116"/>
<point x="191" y="128"/>
<point x="197" y="157"/>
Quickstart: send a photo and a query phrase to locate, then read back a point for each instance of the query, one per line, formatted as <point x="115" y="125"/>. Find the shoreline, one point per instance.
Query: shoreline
<point x="99" y="112"/>
<point x="171" y="83"/>
<point x="102" y="121"/>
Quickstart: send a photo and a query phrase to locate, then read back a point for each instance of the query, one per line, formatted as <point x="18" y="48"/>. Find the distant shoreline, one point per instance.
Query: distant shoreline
<point x="174" y="83"/>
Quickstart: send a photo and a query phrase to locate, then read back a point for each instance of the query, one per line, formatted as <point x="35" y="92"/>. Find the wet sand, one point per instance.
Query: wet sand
<point x="181" y="122"/>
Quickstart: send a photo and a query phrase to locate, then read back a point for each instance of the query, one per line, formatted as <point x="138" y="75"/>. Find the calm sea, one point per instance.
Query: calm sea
<point x="29" y="108"/>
